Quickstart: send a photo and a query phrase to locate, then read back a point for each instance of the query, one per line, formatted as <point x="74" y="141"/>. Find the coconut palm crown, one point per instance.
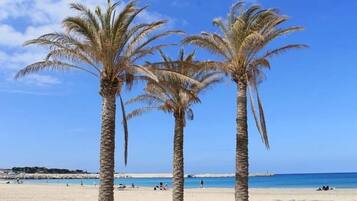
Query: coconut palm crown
<point x="176" y="96"/>
<point x="244" y="47"/>
<point x="106" y="44"/>
<point x="179" y="84"/>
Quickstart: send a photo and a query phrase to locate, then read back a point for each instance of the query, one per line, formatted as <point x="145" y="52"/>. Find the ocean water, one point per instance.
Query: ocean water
<point x="337" y="180"/>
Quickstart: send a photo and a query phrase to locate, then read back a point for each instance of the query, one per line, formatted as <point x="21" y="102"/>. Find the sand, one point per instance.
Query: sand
<point x="33" y="192"/>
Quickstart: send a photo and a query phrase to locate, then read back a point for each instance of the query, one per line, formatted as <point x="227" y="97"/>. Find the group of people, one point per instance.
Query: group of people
<point x="122" y="186"/>
<point x="325" y="188"/>
<point x="161" y="187"/>
<point x="18" y="181"/>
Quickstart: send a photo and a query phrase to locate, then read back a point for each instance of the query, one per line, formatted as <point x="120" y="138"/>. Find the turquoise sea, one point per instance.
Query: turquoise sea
<point x="337" y="180"/>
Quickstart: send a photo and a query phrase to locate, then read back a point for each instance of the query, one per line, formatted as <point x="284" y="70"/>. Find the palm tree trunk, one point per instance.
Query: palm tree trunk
<point x="242" y="164"/>
<point x="178" y="162"/>
<point x="107" y="143"/>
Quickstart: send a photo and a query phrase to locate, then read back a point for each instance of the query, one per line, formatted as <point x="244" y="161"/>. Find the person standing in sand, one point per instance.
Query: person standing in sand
<point x="201" y="183"/>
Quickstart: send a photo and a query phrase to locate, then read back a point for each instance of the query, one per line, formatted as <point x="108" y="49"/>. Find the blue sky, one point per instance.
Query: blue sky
<point x="53" y="119"/>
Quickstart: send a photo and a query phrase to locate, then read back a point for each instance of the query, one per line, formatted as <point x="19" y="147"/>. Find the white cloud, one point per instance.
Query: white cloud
<point x="39" y="17"/>
<point x="9" y="36"/>
<point x="41" y="80"/>
<point x="14" y="61"/>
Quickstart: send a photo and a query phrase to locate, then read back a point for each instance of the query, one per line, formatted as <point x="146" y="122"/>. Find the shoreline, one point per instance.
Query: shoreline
<point x="12" y="183"/>
<point x="193" y="188"/>
<point x="118" y="176"/>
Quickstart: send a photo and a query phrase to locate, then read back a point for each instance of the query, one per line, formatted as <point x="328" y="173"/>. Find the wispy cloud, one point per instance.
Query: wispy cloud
<point x="180" y="4"/>
<point x="41" y="80"/>
<point x="27" y="92"/>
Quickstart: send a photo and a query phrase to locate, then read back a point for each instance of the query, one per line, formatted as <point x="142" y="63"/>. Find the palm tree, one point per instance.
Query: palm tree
<point x="245" y="34"/>
<point x="106" y="45"/>
<point x="176" y="96"/>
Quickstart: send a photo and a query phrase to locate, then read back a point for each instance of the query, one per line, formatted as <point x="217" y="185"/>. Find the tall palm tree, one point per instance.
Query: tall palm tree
<point x="176" y="96"/>
<point x="106" y="44"/>
<point x="242" y="44"/>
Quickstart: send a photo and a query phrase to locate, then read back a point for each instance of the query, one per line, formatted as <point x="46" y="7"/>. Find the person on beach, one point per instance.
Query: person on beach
<point x="121" y="186"/>
<point x="325" y="188"/>
<point x="201" y="183"/>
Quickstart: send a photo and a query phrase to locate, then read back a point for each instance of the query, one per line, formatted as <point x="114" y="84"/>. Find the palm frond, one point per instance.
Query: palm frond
<point x="144" y="72"/>
<point x="87" y="13"/>
<point x="259" y="116"/>
<point x="73" y="55"/>
<point x="149" y="99"/>
<point x="207" y="43"/>
<point x="49" y="65"/>
<point x="140" y="111"/>
<point x="209" y="80"/>
<point x="167" y="74"/>
<point x="126" y="132"/>
<point x="144" y="31"/>
<point x="155" y="37"/>
<point x="81" y="27"/>
<point x="139" y="54"/>
<point x="283" y="49"/>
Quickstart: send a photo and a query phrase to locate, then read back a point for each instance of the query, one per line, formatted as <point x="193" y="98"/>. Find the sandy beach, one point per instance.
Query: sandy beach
<point x="26" y="192"/>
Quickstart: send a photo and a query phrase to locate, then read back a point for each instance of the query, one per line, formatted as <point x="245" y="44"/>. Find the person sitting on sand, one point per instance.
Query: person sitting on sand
<point x="325" y="188"/>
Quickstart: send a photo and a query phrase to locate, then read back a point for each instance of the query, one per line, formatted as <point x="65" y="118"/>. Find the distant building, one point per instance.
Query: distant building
<point x="5" y="171"/>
